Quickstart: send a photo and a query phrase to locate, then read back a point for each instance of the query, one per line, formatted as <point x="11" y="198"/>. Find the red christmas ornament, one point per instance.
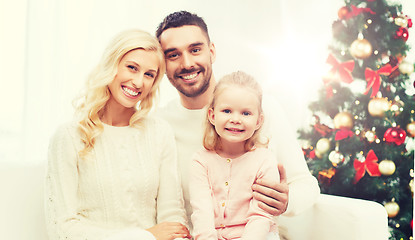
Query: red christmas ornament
<point x="402" y="33"/>
<point x="343" y="12"/>
<point x="313" y="154"/>
<point x="395" y="135"/>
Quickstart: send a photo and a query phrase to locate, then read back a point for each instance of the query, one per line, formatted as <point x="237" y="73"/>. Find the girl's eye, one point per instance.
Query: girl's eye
<point x="226" y="111"/>
<point x="246" y="113"/>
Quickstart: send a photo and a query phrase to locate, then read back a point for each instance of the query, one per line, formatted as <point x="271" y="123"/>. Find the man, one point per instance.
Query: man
<point x="189" y="57"/>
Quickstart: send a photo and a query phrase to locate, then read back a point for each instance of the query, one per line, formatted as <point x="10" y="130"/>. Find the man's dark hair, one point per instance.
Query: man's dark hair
<point x="179" y="19"/>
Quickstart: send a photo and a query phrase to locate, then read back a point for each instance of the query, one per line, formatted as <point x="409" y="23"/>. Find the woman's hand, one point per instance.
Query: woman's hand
<point x="272" y="196"/>
<point x="169" y="231"/>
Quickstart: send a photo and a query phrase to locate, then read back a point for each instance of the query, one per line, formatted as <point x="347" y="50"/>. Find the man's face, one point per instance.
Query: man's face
<point x="189" y="58"/>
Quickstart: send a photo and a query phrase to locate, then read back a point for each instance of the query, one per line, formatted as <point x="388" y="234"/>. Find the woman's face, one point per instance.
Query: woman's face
<point x="136" y="73"/>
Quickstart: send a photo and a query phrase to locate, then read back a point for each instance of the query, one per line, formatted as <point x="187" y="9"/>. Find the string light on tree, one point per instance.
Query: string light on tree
<point x="370" y="136"/>
<point x="397" y="106"/>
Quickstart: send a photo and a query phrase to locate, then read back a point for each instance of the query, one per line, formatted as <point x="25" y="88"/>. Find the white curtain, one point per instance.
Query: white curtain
<point x="48" y="47"/>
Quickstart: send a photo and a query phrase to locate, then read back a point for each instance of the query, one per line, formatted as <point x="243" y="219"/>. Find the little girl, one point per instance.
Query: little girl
<point x="233" y="158"/>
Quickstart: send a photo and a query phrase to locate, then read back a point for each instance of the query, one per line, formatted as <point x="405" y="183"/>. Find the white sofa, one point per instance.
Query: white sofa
<point x="22" y="218"/>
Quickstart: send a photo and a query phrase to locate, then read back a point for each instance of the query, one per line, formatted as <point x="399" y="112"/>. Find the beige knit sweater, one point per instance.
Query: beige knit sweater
<point x="128" y="183"/>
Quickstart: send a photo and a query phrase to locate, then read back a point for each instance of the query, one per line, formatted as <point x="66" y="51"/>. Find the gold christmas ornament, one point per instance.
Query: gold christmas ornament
<point x="411" y="186"/>
<point x="406" y="67"/>
<point x="387" y="167"/>
<point x="318" y="154"/>
<point x="401" y="21"/>
<point x="336" y="157"/>
<point x="410" y="129"/>
<point x="378" y="106"/>
<point x="392" y="208"/>
<point x="322" y="146"/>
<point x="343" y="120"/>
<point x="361" y="49"/>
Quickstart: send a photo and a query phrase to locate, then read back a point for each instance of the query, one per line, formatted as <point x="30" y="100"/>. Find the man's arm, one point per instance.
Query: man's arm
<point x="272" y="196"/>
<point x="298" y="189"/>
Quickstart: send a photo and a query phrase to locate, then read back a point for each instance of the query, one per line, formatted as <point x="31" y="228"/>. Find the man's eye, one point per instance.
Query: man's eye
<point x="172" y="55"/>
<point x="195" y="50"/>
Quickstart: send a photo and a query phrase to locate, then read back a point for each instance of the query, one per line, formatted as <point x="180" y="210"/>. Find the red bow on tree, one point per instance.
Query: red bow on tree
<point x="373" y="78"/>
<point x="343" y="133"/>
<point x="356" y="11"/>
<point x="370" y="165"/>
<point x="344" y="71"/>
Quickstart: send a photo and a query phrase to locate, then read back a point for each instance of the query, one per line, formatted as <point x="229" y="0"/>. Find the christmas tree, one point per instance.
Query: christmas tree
<point x="361" y="140"/>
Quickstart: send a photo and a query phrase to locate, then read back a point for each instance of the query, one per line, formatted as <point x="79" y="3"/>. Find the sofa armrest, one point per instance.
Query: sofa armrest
<point x="340" y="218"/>
<point x="21" y="202"/>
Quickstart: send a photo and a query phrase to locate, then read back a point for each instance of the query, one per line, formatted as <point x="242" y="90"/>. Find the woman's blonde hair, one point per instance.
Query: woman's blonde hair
<point x="211" y="139"/>
<point x="91" y="104"/>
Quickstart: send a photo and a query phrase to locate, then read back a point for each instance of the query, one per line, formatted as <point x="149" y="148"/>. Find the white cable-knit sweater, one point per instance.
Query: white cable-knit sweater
<point x="128" y="184"/>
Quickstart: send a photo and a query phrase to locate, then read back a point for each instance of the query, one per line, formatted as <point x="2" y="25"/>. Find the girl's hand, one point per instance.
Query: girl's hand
<point x="169" y="231"/>
<point x="272" y="196"/>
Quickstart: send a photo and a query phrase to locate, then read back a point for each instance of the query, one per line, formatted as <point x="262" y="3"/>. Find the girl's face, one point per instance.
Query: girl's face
<point x="136" y="73"/>
<point x="236" y="114"/>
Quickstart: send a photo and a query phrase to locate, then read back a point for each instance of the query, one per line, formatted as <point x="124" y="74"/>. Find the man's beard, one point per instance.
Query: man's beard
<point x="197" y="91"/>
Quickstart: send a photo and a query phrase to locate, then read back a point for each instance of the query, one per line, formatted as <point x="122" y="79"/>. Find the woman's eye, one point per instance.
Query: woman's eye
<point x="150" y="75"/>
<point x="132" y="67"/>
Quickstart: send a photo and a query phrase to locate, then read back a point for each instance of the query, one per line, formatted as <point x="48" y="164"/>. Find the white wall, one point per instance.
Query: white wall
<point x="49" y="46"/>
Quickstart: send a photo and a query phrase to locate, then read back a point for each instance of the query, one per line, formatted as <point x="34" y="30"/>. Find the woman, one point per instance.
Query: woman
<point x="112" y="173"/>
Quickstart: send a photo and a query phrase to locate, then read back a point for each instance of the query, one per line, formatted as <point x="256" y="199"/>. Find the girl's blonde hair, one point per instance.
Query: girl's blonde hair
<point x="91" y="104"/>
<point x="211" y="139"/>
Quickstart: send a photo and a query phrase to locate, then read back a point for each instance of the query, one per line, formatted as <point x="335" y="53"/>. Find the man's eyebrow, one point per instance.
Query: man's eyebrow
<point x="169" y="50"/>
<point x="196" y="44"/>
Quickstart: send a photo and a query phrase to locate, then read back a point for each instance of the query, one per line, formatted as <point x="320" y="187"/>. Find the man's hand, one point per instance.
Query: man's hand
<point x="272" y="196"/>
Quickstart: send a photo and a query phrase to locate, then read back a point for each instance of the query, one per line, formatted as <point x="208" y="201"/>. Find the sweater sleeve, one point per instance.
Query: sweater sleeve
<point x="203" y="218"/>
<point x="260" y="222"/>
<point x="64" y="220"/>
<point x="170" y="203"/>
<point x="303" y="187"/>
